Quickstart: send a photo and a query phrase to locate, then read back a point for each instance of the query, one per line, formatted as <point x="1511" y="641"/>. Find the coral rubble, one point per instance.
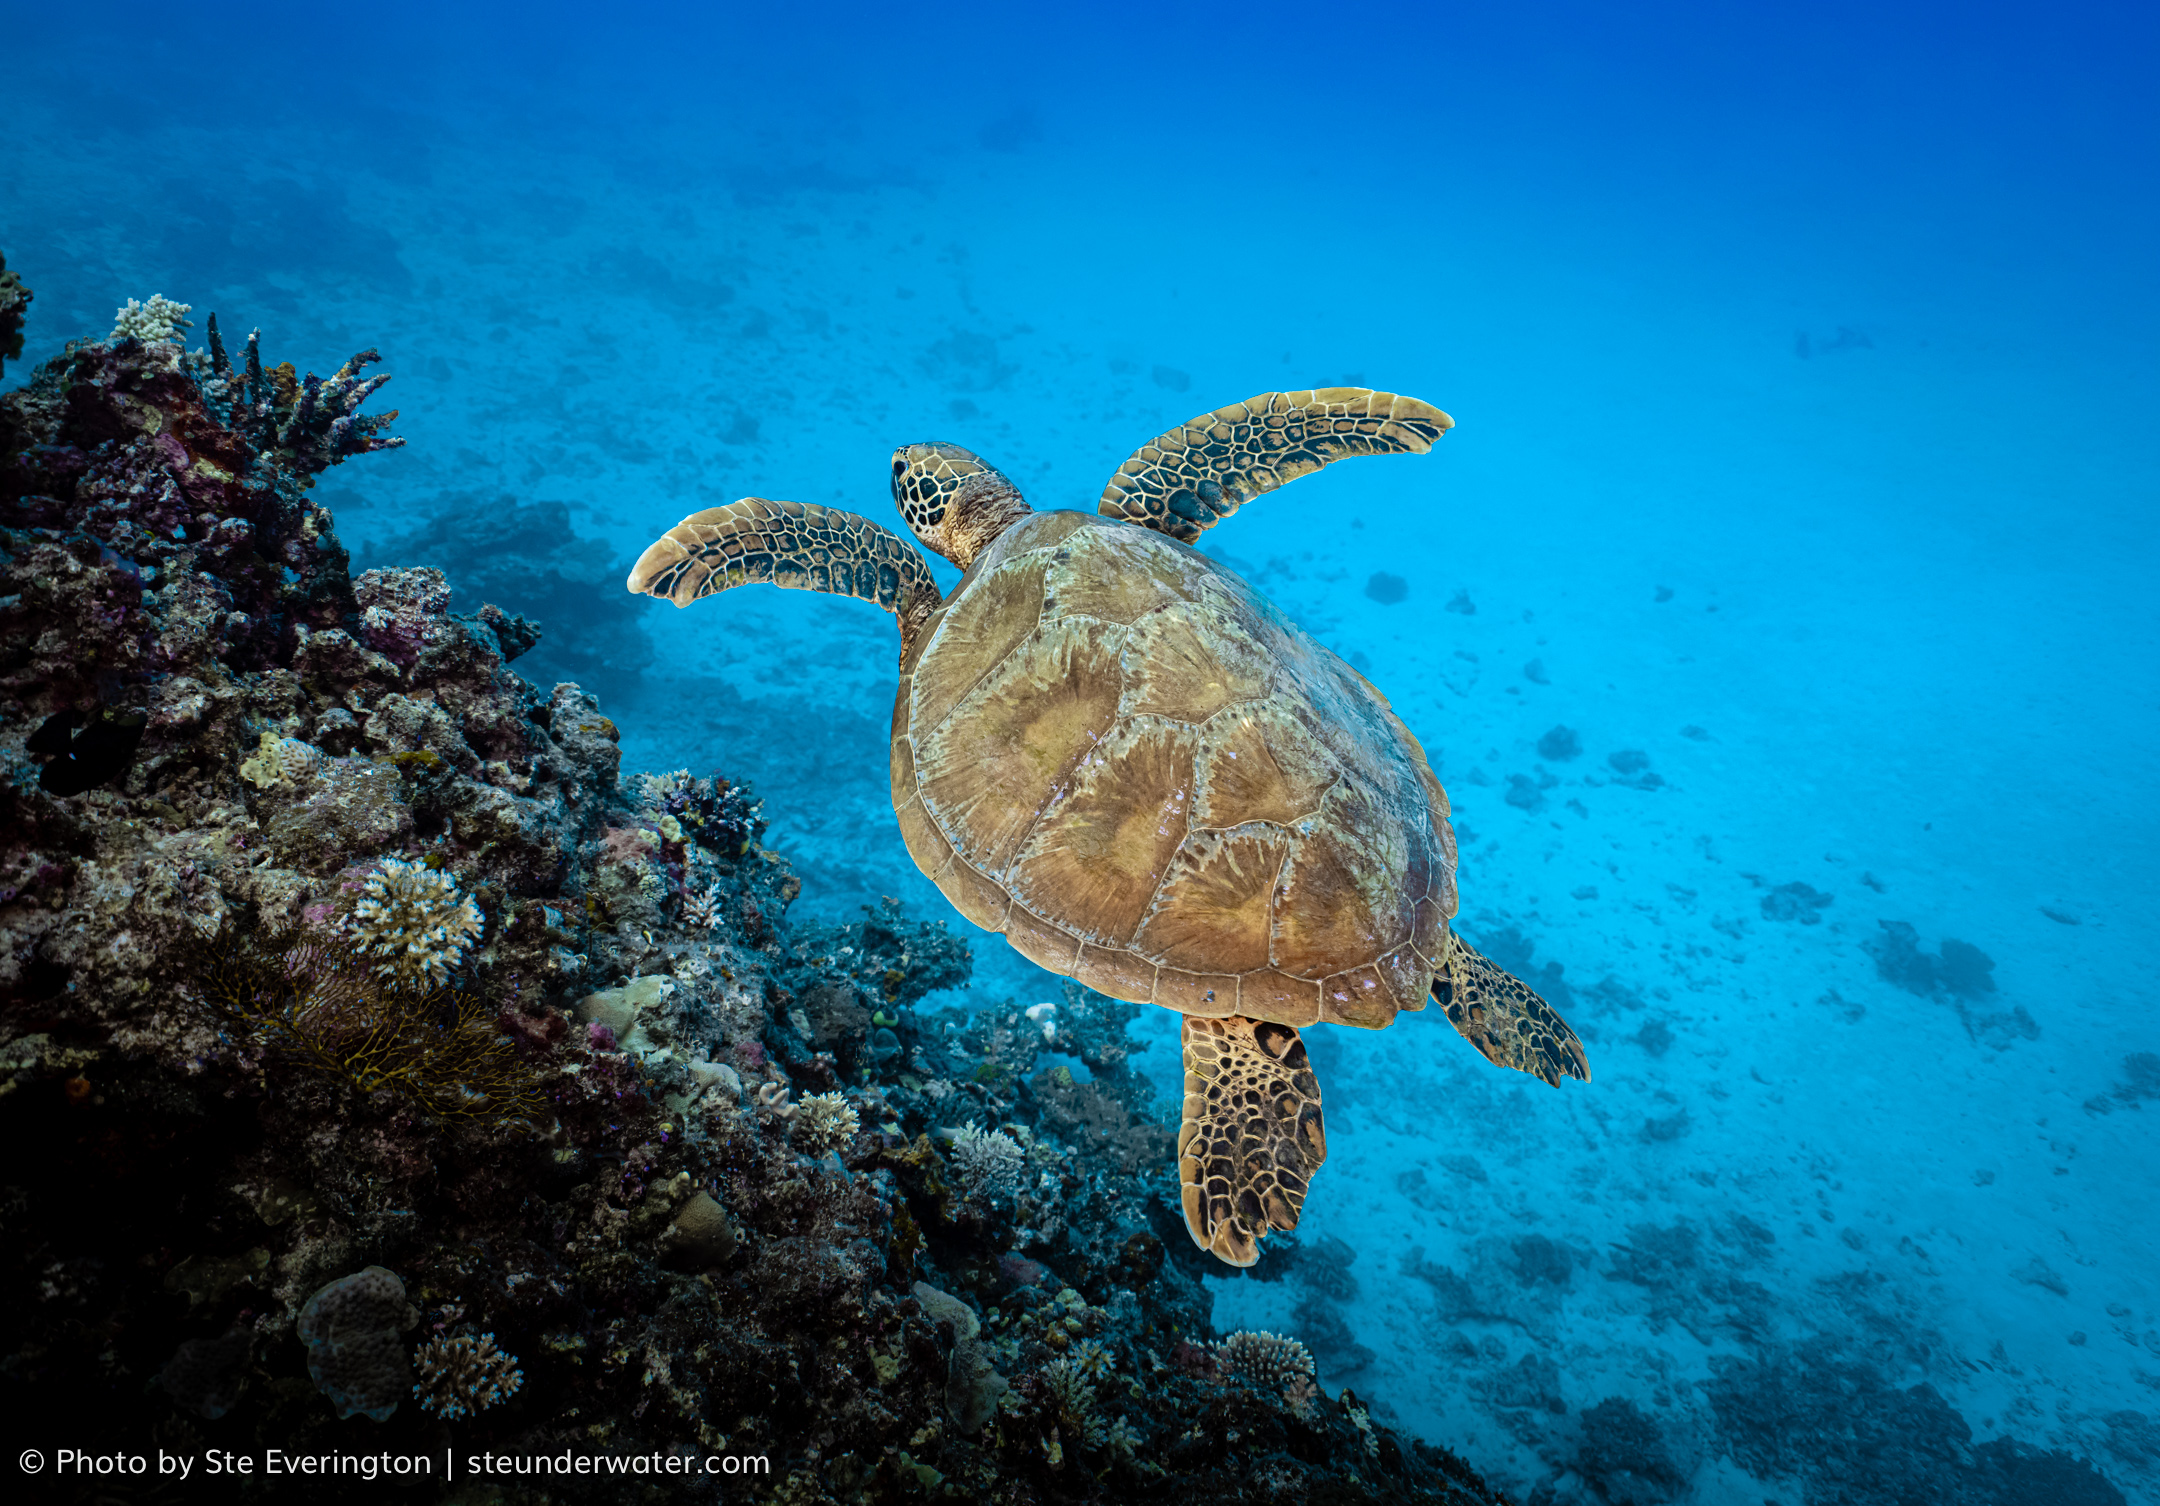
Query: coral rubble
<point x="379" y="1041"/>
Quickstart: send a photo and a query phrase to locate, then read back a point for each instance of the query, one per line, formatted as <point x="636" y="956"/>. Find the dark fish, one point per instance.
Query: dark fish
<point x="99" y="754"/>
<point x="52" y="734"/>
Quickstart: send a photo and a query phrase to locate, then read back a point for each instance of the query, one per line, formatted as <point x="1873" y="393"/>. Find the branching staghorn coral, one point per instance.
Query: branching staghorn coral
<point x="1075" y="1399"/>
<point x="988" y="1162"/>
<point x="701" y="910"/>
<point x="827" y="1121"/>
<point x="1268" y="1362"/>
<point x="321" y="1007"/>
<point x="464" y="1375"/>
<point x="312" y="423"/>
<point x="414" y="924"/>
<point x="1092" y="1360"/>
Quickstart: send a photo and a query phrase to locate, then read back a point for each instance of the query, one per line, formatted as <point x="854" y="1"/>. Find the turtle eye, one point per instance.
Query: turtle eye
<point x="899" y="468"/>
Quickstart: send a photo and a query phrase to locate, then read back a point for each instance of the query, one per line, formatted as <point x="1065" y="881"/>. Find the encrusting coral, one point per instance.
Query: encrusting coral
<point x="353" y="1329"/>
<point x="365" y="986"/>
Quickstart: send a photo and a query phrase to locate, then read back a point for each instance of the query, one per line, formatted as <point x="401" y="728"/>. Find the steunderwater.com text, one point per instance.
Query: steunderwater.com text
<point x="72" y="1463"/>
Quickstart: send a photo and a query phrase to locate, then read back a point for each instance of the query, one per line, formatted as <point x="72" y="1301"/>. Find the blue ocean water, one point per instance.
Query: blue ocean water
<point x="1803" y="366"/>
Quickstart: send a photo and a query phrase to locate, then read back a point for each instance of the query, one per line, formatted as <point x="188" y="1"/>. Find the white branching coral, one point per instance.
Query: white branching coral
<point x="158" y="320"/>
<point x="827" y="1121"/>
<point x="415" y="924"/>
<point x="463" y="1375"/>
<point x="1268" y="1362"/>
<point x="701" y="910"/>
<point x="988" y="1162"/>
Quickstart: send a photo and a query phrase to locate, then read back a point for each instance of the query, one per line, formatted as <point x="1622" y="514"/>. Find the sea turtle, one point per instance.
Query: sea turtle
<point x="1119" y="753"/>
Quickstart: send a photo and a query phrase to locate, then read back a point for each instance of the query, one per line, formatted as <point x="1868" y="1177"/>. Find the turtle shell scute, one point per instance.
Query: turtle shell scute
<point x="1119" y="753"/>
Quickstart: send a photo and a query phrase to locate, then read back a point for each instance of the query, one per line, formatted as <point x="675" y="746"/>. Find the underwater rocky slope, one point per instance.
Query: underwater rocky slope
<point x="385" y="1071"/>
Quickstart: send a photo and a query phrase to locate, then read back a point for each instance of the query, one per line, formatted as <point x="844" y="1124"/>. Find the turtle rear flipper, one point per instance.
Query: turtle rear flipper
<point x="1504" y="1018"/>
<point x="799" y="545"/>
<point x="1188" y="480"/>
<point x="1252" y="1137"/>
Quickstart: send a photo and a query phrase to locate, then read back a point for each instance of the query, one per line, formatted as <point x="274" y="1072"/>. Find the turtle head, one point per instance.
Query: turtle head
<point x="953" y="500"/>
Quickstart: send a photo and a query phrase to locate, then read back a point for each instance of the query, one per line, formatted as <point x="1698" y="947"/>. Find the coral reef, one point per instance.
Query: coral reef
<point x="1796" y="902"/>
<point x="1957" y="973"/>
<point x="366" y="996"/>
<point x="2141" y="1071"/>
<point x="1560" y="744"/>
<point x="532" y="553"/>
<point x="14" y="299"/>
<point x="1387" y="589"/>
<point x="1958" y="969"/>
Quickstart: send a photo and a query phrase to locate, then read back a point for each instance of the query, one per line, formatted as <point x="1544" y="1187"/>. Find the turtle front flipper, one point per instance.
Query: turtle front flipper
<point x="799" y="545"/>
<point x="1199" y="473"/>
<point x="1252" y="1137"/>
<point x="1504" y="1018"/>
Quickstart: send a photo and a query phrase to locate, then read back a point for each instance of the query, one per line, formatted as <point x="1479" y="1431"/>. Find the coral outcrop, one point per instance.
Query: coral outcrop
<point x="14" y="303"/>
<point x="370" y="1028"/>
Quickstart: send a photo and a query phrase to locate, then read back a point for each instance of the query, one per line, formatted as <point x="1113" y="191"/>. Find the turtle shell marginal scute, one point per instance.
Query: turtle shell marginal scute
<point x="1125" y="758"/>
